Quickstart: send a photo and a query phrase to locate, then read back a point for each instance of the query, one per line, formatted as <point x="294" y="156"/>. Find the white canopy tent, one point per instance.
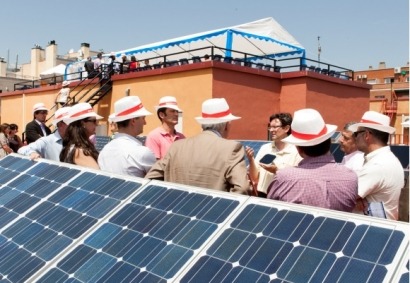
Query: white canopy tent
<point x="53" y="75"/>
<point x="263" y="37"/>
<point x="55" y="71"/>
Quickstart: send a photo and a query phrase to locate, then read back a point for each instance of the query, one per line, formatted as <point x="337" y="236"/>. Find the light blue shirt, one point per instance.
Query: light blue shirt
<point x="49" y="147"/>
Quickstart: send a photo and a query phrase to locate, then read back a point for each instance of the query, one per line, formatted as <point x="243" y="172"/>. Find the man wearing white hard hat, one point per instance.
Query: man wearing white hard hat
<point x="49" y="147"/>
<point x="160" y="139"/>
<point x="125" y="154"/>
<point x="318" y="180"/>
<point x="37" y="128"/>
<point x="207" y="160"/>
<point x="382" y="177"/>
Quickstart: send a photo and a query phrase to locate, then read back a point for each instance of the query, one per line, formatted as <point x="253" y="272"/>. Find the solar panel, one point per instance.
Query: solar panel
<point x="152" y="237"/>
<point x="255" y="145"/>
<point x="42" y="213"/>
<point x="271" y="241"/>
<point x="402" y="153"/>
<point x="404" y="278"/>
<point x="64" y="223"/>
<point x="101" y="141"/>
<point x="335" y="137"/>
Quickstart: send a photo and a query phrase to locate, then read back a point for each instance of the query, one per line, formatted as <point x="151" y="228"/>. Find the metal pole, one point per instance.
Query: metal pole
<point x="319" y="49"/>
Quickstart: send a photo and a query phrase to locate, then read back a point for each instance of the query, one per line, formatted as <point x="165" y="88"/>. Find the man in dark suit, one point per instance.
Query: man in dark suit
<point x="207" y="160"/>
<point x="37" y="128"/>
<point x="89" y="67"/>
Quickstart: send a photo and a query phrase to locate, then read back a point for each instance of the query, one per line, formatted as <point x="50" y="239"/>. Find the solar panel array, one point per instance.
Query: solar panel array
<point x="64" y="223"/>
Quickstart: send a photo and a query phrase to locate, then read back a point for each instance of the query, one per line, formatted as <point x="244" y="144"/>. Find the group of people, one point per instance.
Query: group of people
<point x="9" y="140"/>
<point x="112" y="65"/>
<point x="303" y="170"/>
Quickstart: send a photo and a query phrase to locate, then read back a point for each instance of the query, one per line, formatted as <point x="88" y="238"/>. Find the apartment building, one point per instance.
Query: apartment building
<point x="389" y="95"/>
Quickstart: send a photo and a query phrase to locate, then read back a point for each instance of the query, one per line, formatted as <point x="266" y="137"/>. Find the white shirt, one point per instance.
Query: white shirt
<point x="381" y="180"/>
<point x="63" y="95"/>
<point x="354" y="160"/>
<point x="287" y="157"/>
<point x="126" y="155"/>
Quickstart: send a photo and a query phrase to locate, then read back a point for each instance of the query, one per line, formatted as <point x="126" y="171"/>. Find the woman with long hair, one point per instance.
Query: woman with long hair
<point x="77" y="149"/>
<point x="15" y="141"/>
<point x="4" y="142"/>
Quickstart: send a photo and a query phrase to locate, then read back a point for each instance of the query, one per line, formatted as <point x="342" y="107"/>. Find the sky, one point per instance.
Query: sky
<point x="354" y="34"/>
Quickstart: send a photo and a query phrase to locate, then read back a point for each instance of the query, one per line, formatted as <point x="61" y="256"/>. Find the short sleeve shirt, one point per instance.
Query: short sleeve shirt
<point x="381" y="180"/>
<point x="287" y="157"/>
<point x="159" y="141"/>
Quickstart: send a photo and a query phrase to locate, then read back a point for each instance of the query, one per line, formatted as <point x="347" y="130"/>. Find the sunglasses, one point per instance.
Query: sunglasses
<point x="42" y="112"/>
<point x="355" y="134"/>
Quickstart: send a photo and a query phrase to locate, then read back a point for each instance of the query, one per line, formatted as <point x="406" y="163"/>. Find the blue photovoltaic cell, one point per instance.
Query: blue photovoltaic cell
<point x="404" y="278"/>
<point x="14" y="163"/>
<point x="62" y="223"/>
<point x="296" y="247"/>
<point x="149" y="240"/>
<point x="101" y="142"/>
<point x="55" y="214"/>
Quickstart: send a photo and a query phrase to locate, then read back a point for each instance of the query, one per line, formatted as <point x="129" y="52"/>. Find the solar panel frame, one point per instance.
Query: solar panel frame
<point x="149" y="197"/>
<point x="220" y="266"/>
<point x="299" y="234"/>
<point x="56" y="229"/>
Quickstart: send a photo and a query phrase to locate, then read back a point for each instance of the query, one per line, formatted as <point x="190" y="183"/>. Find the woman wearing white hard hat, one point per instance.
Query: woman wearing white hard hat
<point x="82" y="122"/>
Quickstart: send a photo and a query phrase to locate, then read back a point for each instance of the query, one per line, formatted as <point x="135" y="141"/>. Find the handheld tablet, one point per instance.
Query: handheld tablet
<point x="267" y="158"/>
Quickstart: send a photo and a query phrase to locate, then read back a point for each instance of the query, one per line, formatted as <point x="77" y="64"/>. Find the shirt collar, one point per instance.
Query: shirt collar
<point x="126" y="136"/>
<point x="372" y="154"/>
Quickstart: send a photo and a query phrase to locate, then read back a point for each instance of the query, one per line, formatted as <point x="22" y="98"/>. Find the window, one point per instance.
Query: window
<point x="372" y="81"/>
<point x="388" y="80"/>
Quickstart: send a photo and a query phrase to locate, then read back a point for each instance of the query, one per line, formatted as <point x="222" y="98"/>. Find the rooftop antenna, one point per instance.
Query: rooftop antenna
<point x="319" y="49"/>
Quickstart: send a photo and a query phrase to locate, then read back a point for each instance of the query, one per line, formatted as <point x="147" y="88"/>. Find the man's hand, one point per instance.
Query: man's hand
<point x="249" y="153"/>
<point x="34" y="156"/>
<point x="272" y="168"/>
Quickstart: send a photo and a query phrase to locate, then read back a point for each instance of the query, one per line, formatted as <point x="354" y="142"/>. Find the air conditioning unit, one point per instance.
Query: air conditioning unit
<point x="397" y="70"/>
<point x="364" y="76"/>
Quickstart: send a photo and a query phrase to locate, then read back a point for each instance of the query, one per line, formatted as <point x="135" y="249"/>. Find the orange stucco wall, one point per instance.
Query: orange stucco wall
<point x="339" y="101"/>
<point x="251" y="93"/>
<point x="190" y="87"/>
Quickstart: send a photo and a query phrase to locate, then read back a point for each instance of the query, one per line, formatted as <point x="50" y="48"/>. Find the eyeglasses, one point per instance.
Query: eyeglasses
<point x="42" y="112"/>
<point x="274" y="127"/>
<point x="91" y="120"/>
<point x="355" y="134"/>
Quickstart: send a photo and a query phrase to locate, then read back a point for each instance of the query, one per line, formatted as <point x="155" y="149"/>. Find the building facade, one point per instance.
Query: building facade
<point x="389" y="95"/>
<point x="41" y="59"/>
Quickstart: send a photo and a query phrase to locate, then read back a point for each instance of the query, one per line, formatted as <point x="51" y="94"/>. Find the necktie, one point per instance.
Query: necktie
<point x="43" y="129"/>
